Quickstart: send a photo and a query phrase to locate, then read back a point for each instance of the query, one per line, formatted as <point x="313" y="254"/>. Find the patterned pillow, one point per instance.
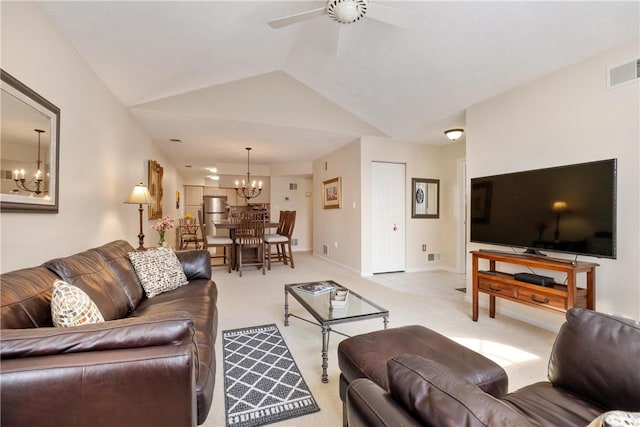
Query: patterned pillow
<point x="71" y="306"/>
<point x="159" y="270"/>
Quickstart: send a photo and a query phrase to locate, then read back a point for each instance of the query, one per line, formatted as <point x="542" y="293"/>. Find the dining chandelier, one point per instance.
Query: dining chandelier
<point x="249" y="190"/>
<point x="37" y="183"/>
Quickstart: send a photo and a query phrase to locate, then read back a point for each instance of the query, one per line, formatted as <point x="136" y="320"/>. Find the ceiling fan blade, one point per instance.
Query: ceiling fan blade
<point x="390" y="15"/>
<point x="344" y="40"/>
<point x="299" y="17"/>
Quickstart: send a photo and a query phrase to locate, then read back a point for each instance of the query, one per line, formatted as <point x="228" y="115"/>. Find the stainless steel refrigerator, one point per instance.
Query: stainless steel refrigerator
<point x="215" y="208"/>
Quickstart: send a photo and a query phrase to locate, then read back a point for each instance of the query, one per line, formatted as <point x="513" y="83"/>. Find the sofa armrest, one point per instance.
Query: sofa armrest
<point x="174" y="328"/>
<point x="368" y="405"/>
<point x="147" y="386"/>
<point x="196" y="264"/>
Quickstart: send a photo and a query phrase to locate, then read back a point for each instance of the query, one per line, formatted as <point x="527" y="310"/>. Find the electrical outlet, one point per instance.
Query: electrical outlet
<point x="335" y="244"/>
<point x="424" y="248"/>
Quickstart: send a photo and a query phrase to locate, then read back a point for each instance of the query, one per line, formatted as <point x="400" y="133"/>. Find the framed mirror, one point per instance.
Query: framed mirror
<point x="426" y="198"/>
<point x="29" y="153"/>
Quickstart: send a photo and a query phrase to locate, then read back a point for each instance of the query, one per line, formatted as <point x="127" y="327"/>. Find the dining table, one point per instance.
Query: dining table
<point x="232" y="226"/>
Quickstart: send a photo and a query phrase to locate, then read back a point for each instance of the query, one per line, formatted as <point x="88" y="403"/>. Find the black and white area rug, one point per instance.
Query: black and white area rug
<point x="262" y="382"/>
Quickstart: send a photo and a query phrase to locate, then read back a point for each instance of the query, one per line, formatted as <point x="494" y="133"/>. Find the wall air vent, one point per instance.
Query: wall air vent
<point x="623" y="74"/>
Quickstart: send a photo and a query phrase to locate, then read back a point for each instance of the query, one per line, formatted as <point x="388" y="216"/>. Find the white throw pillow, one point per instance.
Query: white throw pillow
<point x="71" y="306"/>
<point x="159" y="270"/>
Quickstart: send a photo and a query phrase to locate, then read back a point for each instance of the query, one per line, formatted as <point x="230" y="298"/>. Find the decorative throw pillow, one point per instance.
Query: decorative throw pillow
<point x="71" y="306"/>
<point x="159" y="270"/>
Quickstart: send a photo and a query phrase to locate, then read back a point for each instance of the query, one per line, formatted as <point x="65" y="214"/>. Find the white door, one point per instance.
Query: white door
<point x="388" y="217"/>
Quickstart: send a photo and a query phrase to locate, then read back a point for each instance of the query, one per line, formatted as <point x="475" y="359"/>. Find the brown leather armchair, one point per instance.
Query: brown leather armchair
<point x="593" y="369"/>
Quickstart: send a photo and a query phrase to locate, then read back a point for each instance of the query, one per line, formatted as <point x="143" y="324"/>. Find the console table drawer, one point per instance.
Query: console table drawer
<point x="490" y="286"/>
<point x="542" y="298"/>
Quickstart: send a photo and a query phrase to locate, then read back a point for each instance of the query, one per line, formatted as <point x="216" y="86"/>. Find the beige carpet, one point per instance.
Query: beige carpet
<point x="427" y="299"/>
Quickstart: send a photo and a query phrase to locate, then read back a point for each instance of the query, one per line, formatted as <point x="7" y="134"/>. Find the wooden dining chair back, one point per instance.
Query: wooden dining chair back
<point x="188" y="232"/>
<point x="281" y="240"/>
<point x="211" y="241"/>
<point x="250" y="240"/>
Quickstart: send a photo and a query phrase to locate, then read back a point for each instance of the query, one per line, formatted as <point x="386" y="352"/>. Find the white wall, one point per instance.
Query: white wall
<point x="103" y="152"/>
<point x="570" y="117"/>
<point x="300" y="200"/>
<point x="339" y="229"/>
<point x="351" y="226"/>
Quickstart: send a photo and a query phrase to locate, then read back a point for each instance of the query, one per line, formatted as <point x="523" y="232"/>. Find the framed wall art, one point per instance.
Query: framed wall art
<point x="425" y="195"/>
<point x="155" y="189"/>
<point x="332" y="193"/>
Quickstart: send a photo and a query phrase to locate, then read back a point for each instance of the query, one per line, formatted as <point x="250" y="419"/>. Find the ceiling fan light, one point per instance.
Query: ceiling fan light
<point x="346" y="11"/>
<point x="454" y="134"/>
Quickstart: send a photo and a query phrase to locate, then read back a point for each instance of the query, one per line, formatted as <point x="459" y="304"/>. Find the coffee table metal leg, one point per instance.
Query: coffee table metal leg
<point x="286" y="307"/>
<point x="325" y="352"/>
<point x="385" y="320"/>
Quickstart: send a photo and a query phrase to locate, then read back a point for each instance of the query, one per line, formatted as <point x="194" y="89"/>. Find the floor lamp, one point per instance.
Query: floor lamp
<point x="140" y="195"/>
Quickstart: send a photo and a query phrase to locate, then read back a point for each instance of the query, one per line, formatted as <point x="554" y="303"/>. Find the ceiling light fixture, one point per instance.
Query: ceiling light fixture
<point x="347" y="11"/>
<point x="19" y="175"/>
<point x="454" y="134"/>
<point x="248" y="189"/>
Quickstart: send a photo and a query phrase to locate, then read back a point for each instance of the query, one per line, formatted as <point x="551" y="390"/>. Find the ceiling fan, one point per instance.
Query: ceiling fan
<point x="347" y="12"/>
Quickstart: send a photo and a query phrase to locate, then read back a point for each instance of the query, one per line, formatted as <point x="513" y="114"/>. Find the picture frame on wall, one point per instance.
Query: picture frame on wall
<point x="332" y="193"/>
<point x="155" y="189"/>
<point x="425" y="195"/>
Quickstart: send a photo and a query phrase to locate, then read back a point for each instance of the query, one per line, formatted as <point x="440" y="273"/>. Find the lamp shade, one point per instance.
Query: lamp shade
<point x="140" y="195"/>
<point x="454" y="134"/>
<point x="559" y="207"/>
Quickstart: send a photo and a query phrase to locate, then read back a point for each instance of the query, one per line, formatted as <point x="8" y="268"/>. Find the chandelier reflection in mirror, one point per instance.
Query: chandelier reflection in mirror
<point x="37" y="185"/>
<point x="249" y="190"/>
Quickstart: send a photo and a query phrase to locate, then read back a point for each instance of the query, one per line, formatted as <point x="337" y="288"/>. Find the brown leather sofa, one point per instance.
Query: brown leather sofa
<point x="593" y="369"/>
<point x="151" y="363"/>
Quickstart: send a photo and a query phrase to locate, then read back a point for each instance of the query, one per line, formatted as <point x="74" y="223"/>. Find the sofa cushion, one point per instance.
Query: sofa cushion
<point x="437" y="396"/>
<point x="582" y="355"/>
<point x="115" y="254"/>
<point x="70" y="306"/>
<point x="159" y="270"/>
<point x="546" y="405"/>
<point x="25" y="298"/>
<point x="89" y="272"/>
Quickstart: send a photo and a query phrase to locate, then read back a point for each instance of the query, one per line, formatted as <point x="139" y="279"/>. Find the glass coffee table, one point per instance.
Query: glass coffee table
<point x="319" y="306"/>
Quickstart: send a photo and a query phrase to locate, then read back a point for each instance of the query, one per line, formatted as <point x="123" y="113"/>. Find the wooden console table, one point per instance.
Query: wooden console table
<point x="556" y="297"/>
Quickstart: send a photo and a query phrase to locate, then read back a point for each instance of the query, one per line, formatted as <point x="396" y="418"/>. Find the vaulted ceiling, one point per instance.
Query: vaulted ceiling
<point x="214" y="74"/>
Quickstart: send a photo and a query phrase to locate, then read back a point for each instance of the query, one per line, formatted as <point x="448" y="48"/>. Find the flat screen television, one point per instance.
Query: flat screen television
<point x="569" y="209"/>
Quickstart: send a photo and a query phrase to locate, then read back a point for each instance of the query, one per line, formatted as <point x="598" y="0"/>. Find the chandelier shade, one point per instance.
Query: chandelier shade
<point x="249" y="189"/>
<point x="36" y="186"/>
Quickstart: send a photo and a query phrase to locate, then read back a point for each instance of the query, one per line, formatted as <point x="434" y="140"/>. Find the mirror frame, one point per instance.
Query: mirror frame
<point x="416" y="185"/>
<point x="20" y="203"/>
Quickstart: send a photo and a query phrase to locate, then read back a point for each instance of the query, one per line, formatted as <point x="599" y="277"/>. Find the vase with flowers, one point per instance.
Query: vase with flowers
<point x="161" y="227"/>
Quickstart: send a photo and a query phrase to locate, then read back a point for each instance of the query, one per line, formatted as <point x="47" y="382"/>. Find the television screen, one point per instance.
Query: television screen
<point x="570" y="209"/>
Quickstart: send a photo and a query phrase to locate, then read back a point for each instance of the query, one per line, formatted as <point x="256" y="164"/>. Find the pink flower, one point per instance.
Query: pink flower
<point x="164" y="225"/>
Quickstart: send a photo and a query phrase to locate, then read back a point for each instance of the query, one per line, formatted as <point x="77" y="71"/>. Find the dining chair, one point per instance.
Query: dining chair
<point x="250" y="236"/>
<point x="211" y="241"/>
<point x="188" y="231"/>
<point x="281" y="240"/>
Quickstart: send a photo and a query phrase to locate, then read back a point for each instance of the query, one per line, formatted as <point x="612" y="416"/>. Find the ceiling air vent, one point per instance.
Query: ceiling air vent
<point x="623" y="74"/>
